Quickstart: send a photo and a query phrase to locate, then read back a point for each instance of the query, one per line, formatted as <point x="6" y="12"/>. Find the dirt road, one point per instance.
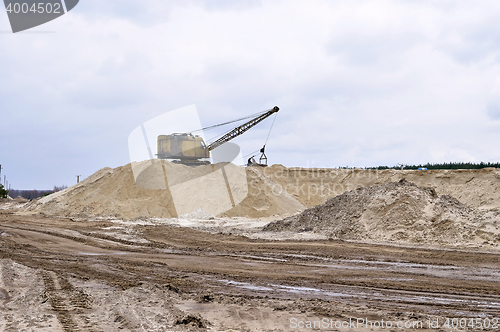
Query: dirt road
<point x="60" y="274"/>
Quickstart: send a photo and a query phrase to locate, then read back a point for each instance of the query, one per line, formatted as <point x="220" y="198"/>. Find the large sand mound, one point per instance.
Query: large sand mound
<point x="140" y="189"/>
<point x="162" y="189"/>
<point x="313" y="186"/>
<point x="397" y="212"/>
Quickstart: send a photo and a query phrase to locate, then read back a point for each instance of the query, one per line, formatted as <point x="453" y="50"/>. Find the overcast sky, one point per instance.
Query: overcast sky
<point x="359" y="83"/>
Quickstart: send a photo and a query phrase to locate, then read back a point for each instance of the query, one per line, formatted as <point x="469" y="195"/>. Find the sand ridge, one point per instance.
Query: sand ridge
<point x="397" y="212"/>
<point x="139" y="190"/>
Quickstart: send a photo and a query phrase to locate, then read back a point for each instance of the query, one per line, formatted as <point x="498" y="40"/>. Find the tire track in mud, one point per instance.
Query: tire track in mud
<point x="67" y="302"/>
<point x="186" y="258"/>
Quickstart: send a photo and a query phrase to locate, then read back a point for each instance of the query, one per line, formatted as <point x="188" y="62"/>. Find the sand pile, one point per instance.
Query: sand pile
<point x="21" y="199"/>
<point x="162" y="189"/>
<point x="158" y="188"/>
<point x="399" y="212"/>
<point x="313" y="186"/>
<point x="265" y="198"/>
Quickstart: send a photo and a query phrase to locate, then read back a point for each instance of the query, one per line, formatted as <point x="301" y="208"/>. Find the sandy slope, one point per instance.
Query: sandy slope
<point x="140" y="190"/>
<point x="398" y="212"/>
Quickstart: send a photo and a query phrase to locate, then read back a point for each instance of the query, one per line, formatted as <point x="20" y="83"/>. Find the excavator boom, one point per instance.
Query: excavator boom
<point x="241" y="129"/>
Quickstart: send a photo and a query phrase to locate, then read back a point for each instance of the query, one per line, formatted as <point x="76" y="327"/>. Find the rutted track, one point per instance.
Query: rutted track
<point x="191" y="262"/>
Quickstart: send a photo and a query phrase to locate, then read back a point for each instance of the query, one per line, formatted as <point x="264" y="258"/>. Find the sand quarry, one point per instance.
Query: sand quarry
<point x="156" y="246"/>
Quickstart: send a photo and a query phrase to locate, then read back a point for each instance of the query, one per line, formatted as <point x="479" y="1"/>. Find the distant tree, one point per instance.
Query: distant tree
<point x="28" y="194"/>
<point x="3" y="192"/>
<point x="59" y="188"/>
<point x="451" y="165"/>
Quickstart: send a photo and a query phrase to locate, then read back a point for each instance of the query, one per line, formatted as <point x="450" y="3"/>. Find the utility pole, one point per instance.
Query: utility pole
<point x="78" y="178"/>
<point x="0" y="172"/>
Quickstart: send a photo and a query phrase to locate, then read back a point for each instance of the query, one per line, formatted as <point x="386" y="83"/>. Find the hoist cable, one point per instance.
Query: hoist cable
<point x="228" y="122"/>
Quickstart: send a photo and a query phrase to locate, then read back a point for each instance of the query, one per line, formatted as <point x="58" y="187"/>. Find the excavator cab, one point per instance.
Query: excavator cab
<point x="182" y="146"/>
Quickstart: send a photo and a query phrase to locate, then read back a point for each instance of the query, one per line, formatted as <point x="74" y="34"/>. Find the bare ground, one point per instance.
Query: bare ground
<point x="60" y="274"/>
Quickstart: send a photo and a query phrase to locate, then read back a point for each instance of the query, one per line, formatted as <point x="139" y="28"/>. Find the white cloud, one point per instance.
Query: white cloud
<point x="359" y="83"/>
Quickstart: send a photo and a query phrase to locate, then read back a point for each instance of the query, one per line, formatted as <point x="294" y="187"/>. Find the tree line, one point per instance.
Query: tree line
<point x="32" y="194"/>
<point x="449" y="165"/>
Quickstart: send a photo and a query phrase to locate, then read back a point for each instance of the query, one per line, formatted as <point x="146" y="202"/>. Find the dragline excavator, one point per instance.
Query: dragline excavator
<point x="190" y="149"/>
